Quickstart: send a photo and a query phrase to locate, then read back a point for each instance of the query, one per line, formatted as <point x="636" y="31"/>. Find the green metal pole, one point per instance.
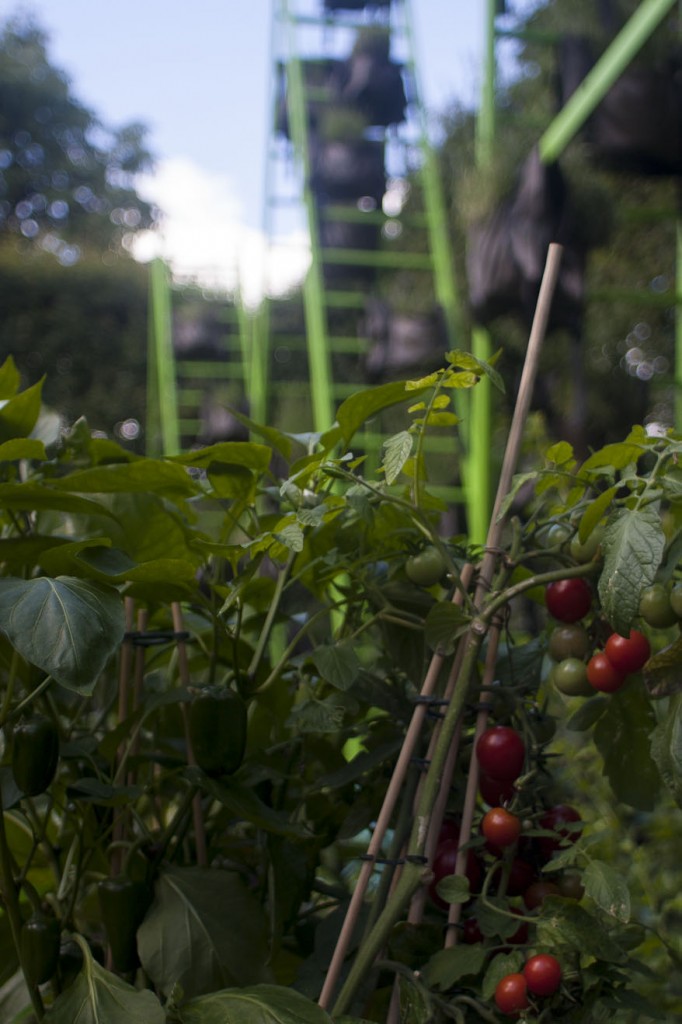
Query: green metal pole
<point x="320" y="370"/>
<point x="436" y="213"/>
<point x="599" y="80"/>
<point x="479" y="486"/>
<point x="161" y="379"/>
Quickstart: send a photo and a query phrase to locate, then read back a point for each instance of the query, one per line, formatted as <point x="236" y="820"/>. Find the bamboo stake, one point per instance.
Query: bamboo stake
<point x="487" y="567"/>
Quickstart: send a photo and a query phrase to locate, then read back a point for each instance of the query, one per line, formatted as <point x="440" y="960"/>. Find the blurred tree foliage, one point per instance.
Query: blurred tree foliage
<point x="73" y="299"/>
<point x="627" y="220"/>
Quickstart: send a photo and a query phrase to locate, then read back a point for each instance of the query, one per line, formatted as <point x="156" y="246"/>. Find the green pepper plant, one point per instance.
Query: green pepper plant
<point x="211" y="668"/>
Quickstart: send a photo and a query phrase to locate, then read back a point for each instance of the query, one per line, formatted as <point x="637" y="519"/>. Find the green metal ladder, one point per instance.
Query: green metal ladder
<point x="308" y="371"/>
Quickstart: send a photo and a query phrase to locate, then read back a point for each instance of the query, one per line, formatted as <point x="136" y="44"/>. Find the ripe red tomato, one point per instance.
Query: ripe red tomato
<point x="537" y="892"/>
<point x="568" y="600"/>
<point x="602" y="675"/>
<point x="495" y="791"/>
<point x="553" y="819"/>
<point x="501" y="753"/>
<point x="542" y="974"/>
<point x="628" y="654"/>
<point x="444" y="863"/>
<point x="511" y="994"/>
<point x="500" y="827"/>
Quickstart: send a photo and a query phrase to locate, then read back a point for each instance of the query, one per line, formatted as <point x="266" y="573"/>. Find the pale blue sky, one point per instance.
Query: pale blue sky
<point x="199" y="75"/>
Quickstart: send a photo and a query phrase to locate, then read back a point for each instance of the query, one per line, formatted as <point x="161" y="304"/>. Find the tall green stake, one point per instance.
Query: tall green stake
<point x="163" y="436"/>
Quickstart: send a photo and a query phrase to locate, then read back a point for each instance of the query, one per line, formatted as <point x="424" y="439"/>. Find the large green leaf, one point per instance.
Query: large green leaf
<point x="10" y="378"/>
<point x="144" y="475"/>
<point x="261" y="1004"/>
<point x="633" y="547"/>
<point x="30" y="497"/>
<point x="22" y="448"/>
<point x="99" y="997"/>
<point x="229" y="453"/>
<point x="622" y="736"/>
<point x="246" y="806"/>
<point x="204" y="931"/>
<point x="67" y="627"/>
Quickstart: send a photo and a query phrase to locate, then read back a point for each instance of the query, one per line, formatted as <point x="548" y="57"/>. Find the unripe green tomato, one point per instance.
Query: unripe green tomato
<point x="655" y="607"/>
<point x="676" y="599"/>
<point x="587" y="551"/>
<point x="570" y="678"/>
<point x="569" y="640"/>
<point x="553" y="535"/>
<point x="426" y="567"/>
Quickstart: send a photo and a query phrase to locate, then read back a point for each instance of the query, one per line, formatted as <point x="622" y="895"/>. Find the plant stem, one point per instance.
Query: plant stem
<point x="264" y="637"/>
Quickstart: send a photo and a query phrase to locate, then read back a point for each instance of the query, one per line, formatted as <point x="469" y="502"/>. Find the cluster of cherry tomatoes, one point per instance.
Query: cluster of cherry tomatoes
<point x="541" y="976"/>
<point x="502" y="760"/>
<point x="578" y="672"/>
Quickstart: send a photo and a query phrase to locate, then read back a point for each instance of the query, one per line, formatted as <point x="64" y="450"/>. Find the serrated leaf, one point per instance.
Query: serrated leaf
<point x="448" y="966"/>
<point x="563" y="921"/>
<point x="560" y="454"/>
<point x="260" y="1004"/>
<point x="666" y="748"/>
<point x="633" y="547"/>
<point x="396" y="452"/>
<point x="662" y="671"/>
<point x="338" y="664"/>
<point x="494" y="918"/>
<point x="622" y="738"/>
<point x="65" y="626"/>
<point x="467" y="361"/>
<point x="99" y="997"/>
<point x="320" y="716"/>
<point x="204" y="931"/>
<point x="608" y="889"/>
<point x="443" y="626"/>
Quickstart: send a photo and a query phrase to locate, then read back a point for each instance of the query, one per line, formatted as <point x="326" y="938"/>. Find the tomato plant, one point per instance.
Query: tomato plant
<point x="552" y="819"/>
<point x="655" y="607"/>
<point x="495" y="791"/>
<point x="570" y="678"/>
<point x="569" y="640"/>
<point x="568" y="600"/>
<point x="501" y="753"/>
<point x="543" y="974"/>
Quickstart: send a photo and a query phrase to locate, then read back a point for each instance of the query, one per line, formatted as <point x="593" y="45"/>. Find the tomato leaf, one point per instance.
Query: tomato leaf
<point x="204" y="931"/>
<point x="608" y="889"/>
<point x="353" y="412"/>
<point x="633" y="547"/>
<point x="587" y="714"/>
<point x="396" y="452"/>
<point x="622" y="738"/>
<point x="563" y="921"/>
<point x="67" y="627"/>
<point x="19" y="414"/>
<point x="447" y="966"/>
<point x="260" y="1004"/>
